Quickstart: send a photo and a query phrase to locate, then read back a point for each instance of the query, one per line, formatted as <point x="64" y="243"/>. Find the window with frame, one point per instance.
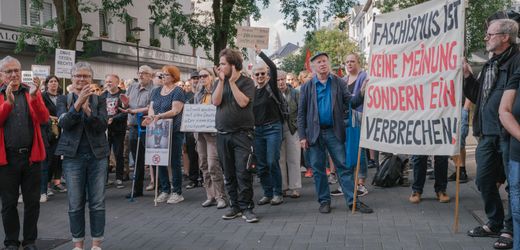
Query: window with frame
<point x="103" y="24"/>
<point x="31" y="16"/>
<point x="130" y="24"/>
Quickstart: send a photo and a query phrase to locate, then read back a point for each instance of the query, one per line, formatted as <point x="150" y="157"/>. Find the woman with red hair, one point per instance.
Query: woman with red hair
<point x="167" y="102"/>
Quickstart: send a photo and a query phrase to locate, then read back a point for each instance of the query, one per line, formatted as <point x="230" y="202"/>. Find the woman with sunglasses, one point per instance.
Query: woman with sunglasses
<point x="268" y="130"/>
<point x="167" y="102"/>
<point x="209" y="162"/>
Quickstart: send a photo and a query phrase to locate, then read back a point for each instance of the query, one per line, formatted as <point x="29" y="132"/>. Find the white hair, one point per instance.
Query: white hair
<point x="81" y="65"/>
<point x="9" y="59"/>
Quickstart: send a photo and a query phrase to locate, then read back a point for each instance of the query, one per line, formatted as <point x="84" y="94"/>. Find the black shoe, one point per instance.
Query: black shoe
<point x="463" y="178"/>
<point x="234" y="212"/>
<point x="371" y="164"/>
<point x="30" y="247"/>
<point x="325" y="208"/>
<point x="249" y="216"/>
<point x="11" y="247"/>
<point x="128" y="196"/>
<point x="193" y="184"/>
<point x="362" y="208"/>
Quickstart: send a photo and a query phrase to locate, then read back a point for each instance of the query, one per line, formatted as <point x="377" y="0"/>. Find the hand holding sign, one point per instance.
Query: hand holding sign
<point x="466" y="68"/>
<point x="258" y="50"/>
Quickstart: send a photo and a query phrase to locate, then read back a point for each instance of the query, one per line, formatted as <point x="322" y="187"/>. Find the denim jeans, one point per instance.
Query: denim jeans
<point x="86" y="177"/>
<point x="464" y="127"/>
<point x="138" y="163"/>
<point x="419" y="164"/>
<point x="175" y="163"/>
<point x="268" y="140"/>
<point x="44" y="176"/>
<point x="514" y="195"/>
<point x="327" y="140"/>
<point x="489" y="158"/>
<point x="363" y="167"/>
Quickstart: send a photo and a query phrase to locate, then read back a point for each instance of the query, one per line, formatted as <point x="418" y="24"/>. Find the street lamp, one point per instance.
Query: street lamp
<point x="136" y="32"/>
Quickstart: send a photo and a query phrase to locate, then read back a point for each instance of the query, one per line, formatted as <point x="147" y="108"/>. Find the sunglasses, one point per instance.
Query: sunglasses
<point x="260" y="74"/>
<point x="203" y="76"/>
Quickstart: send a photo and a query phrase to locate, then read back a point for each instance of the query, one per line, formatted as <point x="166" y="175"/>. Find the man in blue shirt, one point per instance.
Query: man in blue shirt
<point x="321" y="127"/>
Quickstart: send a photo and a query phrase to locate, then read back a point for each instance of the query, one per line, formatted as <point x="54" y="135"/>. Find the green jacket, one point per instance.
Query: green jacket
<point x="292" y="96"/>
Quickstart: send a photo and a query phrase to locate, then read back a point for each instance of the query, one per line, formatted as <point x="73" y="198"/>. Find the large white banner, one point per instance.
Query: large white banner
<point x="157" y="147"/>
<point x="414" y="96"/>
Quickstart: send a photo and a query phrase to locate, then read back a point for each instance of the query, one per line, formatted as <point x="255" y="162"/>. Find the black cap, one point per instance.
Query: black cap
<point x="317" y="54"/>
<point x="194" y="74"/>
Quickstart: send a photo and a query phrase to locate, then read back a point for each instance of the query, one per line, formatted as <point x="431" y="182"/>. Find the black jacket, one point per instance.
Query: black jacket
<point x="485" y="119"/>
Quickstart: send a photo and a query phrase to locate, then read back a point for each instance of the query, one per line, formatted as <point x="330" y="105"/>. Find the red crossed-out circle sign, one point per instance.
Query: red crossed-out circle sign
<point x="156" y="159"/>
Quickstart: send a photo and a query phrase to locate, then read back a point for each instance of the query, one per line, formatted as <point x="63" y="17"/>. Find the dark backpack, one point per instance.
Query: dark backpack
<point x="389" y="172"/>
<point x="283" y="106"/>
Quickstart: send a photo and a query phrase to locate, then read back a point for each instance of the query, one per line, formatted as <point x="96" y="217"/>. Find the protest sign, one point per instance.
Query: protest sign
<point x="41" y="71"/>
<point x="247" y="37"/>
<point x="64" y="61"/>
<point x="198" y="118"/>
<point x="157" y="148"/>
<point x="414" y="96"/>
<point x="27" y="76"/>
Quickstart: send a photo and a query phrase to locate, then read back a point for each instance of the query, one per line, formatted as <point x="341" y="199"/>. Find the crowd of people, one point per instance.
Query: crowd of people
<point x="269" y="123"/>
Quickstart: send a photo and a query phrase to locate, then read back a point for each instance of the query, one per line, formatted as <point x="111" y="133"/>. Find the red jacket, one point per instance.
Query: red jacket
<point x="39" y="115"/>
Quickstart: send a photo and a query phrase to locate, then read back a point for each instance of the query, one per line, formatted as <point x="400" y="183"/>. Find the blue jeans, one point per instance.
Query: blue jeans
<point x="514" y="195"/>
<point x="268" y="140"/>
<point x="327" y="140"/>
<point x="86" y="177"/>
<point x="419" y="164"/>
<point x="45" y="176"/>
<point x="175" y="163"/>
<point x="464" y="127"/>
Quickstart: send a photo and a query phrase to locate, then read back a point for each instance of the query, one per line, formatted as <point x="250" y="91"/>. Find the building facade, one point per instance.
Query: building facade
<point x="112" y="48"/>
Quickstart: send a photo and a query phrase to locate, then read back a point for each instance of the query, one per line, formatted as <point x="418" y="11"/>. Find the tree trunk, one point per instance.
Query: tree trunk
<point x="222" y="26"/>
<point x="69" y="22"/>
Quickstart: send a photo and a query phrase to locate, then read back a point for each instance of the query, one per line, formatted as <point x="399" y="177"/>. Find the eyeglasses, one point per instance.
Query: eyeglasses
<point x="160" y="76"/>
<point x="8" y="72"/>
<point x="203" y="76"/>
<point x="260" y="74"/>
<point x="195" y="77"/>
<point x="489" y="35"/>
<point x="82" y="76"/>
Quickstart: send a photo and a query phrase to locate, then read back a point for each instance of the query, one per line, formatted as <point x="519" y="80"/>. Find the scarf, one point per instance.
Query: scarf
<point x="491" y="71"/>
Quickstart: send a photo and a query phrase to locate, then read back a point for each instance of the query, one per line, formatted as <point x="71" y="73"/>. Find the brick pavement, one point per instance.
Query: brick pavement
<point x="296" y="224"/>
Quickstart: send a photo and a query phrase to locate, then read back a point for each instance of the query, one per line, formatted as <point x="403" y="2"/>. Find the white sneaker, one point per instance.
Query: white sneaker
<point x="162" y="197"/>
<point x="150" y="187"/>
<point x="119" y="184"/>
<point x="175" y="198"/>
<point x="49" y="192"/>
<point x="362" y="190"/>
<point x="43" y="198"/>
<point x="20" y="199"/>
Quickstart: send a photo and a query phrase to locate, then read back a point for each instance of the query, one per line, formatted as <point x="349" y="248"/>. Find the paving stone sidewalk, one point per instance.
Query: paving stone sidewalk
<point x="296" y="224"/>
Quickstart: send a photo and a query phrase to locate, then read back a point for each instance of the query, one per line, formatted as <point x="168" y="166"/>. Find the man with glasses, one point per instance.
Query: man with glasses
<point x="137" y="100"/>
<point x="22" y="111"/>
<point x="492" y="153"/>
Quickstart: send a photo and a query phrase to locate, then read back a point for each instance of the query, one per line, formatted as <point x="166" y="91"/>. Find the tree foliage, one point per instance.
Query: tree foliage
<point x="476" y="14"/>
<point x="213" y="29"/>
<point x="334" y="42"/>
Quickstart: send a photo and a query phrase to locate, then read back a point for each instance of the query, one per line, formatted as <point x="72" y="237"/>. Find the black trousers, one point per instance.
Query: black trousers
<point x="18" y="172"/>
<point x="55" y="169"/>
<point x="116" y="142"/>
<point x="233" y="150"/>
<point x="139" y="162"/>
<point x="191" y="147"/>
